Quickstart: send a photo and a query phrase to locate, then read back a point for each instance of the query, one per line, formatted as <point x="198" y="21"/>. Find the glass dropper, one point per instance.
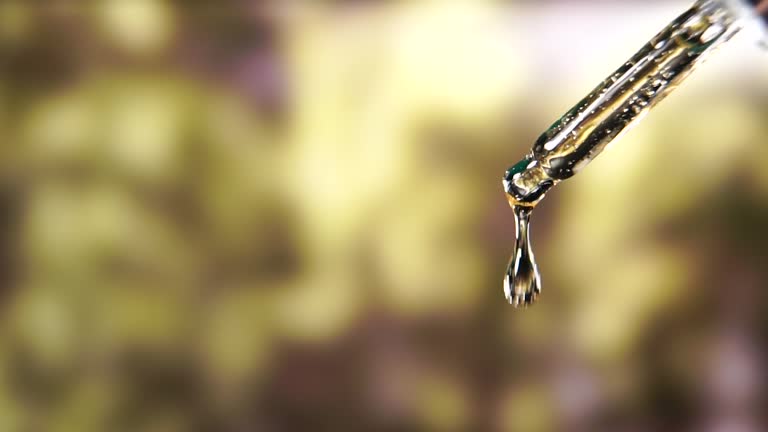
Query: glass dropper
<point x="612" y="109"/>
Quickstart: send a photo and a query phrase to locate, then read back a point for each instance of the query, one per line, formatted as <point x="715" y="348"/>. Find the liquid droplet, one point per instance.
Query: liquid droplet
<point x="522" y="283"/>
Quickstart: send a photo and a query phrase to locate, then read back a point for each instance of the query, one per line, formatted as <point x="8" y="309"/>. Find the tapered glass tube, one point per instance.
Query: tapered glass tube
<point x="621" y="100"/>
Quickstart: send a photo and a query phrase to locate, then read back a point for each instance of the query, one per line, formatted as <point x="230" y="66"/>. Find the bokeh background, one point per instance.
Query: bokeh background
<point x="288" y="216"/>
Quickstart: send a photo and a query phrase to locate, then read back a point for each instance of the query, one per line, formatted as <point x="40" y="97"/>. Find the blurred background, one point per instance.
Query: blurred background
<point x="288" y="216"/>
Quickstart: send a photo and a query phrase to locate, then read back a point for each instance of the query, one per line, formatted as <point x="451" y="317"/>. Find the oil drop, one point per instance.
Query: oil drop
<point x="522" y="283"/>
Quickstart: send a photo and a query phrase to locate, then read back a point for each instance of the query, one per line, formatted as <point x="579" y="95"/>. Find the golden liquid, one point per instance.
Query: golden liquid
<point x="610" y="110"/>
<point x="522" y="283"/>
